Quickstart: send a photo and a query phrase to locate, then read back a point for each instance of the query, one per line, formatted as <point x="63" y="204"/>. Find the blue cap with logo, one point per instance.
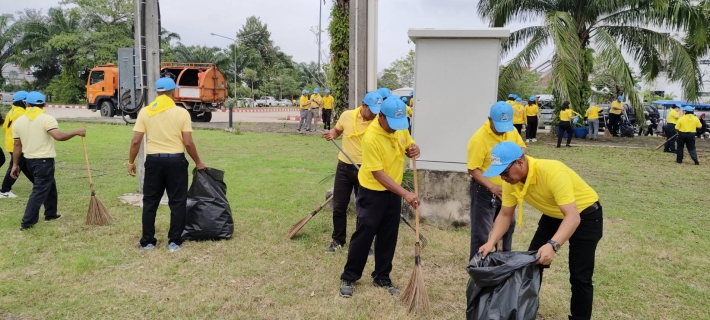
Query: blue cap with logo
<point x="620" y="98"/>
<point x="502" y="155"/>
<point x="502" y="116"/>
<point x="688" y="109"/>
<point x="326" y="91"/>
<point x="511" y="96"/>
<point x="533" y="97"/>
<point x="374" y="101"/>
<point x="316" y="90"/>
<point x="36" y="97"/>
<point x="404" y="99"/>
<point x="19" y="96"/>
<point x="384" y="93"/>
<point x="396" y="112"/>
<point x="675" y="105"/>
<point x="518" y="99"/>
<point x="165" y="84"/>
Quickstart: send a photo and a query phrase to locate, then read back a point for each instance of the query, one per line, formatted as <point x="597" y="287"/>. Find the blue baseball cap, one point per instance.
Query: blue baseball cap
<point x="165" y="84"/>
<point x="688" y="109"/>
<point x="502" y="116"/>
<point x="411" y="93"/>
<point x="19" y="96"/>
<point x="396" y="113"/>
<point x="304" y="92"/>
<point x="502" y="155"/>
<point x="533" y="97"/>
<point x="326" y="91"/>
<point x="511" y="96"/>
<point x="518" y="99"/>
<point x="675" y="105"/>
<point x="36" y="97"/>
<point x="374" y="101"/>
<point x="404" y="99"/>
<point x="384" y="93"/>
<point x="620" y="98"/>
<point x="316" y="90"/>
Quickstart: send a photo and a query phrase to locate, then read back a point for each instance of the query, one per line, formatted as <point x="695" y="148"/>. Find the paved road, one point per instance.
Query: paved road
<point x="217" y="117"/>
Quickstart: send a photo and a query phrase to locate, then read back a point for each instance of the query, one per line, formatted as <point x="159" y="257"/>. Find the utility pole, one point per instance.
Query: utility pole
<point x="147" y="48"/>
<point x="320" y="19"/>
<point x="363" y="50"/>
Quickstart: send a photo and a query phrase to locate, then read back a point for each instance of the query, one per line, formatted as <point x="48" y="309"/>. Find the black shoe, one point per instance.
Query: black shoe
<point x="696" y="162"/>
<point x="347" y="288"/>
<point x="568" y="146"/>
<point x="679" y="162"/>
<point x="390" y="288"/>
<point x="52" y="218"/>
<point x="334" y="246"/>
<point x="25" y="228"/>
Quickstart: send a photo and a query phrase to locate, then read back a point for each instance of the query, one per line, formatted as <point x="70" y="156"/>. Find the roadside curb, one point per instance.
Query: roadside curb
<point x="290" y="118"/>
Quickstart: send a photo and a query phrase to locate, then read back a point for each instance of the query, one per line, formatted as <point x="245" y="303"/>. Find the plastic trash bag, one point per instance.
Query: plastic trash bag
<point x="627" y="131"/>
<point x="504" y="285"/>
<point x="209" y="216"/>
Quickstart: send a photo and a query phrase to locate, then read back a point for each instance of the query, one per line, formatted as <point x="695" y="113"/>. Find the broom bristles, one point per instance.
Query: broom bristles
<point x="98" y="214"/>
<point x="415" y="296"/>
<point x="297" y="227"/>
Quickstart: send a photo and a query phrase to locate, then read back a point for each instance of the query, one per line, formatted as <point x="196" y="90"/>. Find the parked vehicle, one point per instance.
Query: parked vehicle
<point x="245" y="103"/>
<point x="267" y="102"/>
<point x="547" y="107"/>
<point x="630" y="112"/>
<point x="6" y="97"/>
<point x="285" y="103"/>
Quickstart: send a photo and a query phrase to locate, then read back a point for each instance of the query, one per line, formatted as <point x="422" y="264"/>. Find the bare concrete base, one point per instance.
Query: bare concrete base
<point x="136" y="199"/>
<point x="445" y="197"/>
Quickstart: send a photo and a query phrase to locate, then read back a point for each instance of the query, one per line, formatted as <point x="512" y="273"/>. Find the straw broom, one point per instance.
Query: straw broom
<point x="415" y="296"/>
<point x="97" y="214"/>
<point x="296" y="227"/>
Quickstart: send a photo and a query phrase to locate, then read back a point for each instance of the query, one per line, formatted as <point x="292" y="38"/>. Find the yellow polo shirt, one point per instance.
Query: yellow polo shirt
<point x="12" y="115"/>
<point x="164" y="130"/>
<point x="409" y="112"/>
<point x="316" y="101"/>
<point x="616" y="107"/>
<point x="673" y="116"/>
<point x="481" y="145"/>
<point x="328" y="102"/>
<point x="551" y="184"/>
<point x="688" y="123"/>
<point x="518" y="113"/>
<point x="565" y="115"/>
<point x="531" y="110"/>
<point x="34" y="135"/>
<point x="593" y="112"/>
<point x="304" y="102"/>
<point x="383" y="151"/>
<point x="353" y="127"/>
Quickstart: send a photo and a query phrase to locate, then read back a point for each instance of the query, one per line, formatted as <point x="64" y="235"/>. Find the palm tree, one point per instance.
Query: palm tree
<point x="611" y="28"/>
<point x="8" y="42"/>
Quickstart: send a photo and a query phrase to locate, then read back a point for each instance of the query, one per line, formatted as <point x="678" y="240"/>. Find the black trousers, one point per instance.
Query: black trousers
<point x="686" y="139"/>
<point x="345" y="182"/>
<point x="2" y="157"/>
<point x="8" y="181"/>
<point x="519" y="127"/>
<point x="531" y="128"/>
<point x="44" y="192"/>
<point x="614" y="120"/>
<point x="564" y="126"/>
<point x="670" y="140"/>
<point x="484" y="210"/>
<point x="164" y="174"/>
<point x="327" y="113"/>
<point x="582" y="250"/>
<point x="377" y="215"/>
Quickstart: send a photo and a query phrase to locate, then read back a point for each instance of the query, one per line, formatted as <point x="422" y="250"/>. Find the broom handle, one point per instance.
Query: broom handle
<point x="664" y="142"/>
<point x="416" y="210"/>
<point x="345" y="153"/>
<point x="88" y="168"/>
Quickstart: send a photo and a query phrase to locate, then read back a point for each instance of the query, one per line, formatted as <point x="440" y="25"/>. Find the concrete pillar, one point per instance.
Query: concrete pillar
<point x="456" y="82"/>
<point x="363" y="50"/>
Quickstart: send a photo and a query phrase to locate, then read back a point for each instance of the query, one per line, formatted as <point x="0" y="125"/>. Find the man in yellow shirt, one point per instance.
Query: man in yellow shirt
<point x="486" y="193"/>
<point x="168" y="132"/>
<point x="615" y="115"/>
<point x="687" y="126"/>
<point x="328" y="102"/>
<point x="34" y="133"/>
<point x="570" y="211"/>
<point x="671" y="121"/>
<point x="352" y="125"/>
<point x="532" y="112"/>
<point x="593" y="121"/>
<point x="304" y="105"/>
<point x="314" y="110"/>
<point x="17" y="110"/>
<point x="518" y="115"/>
<point x="379" y="200"/>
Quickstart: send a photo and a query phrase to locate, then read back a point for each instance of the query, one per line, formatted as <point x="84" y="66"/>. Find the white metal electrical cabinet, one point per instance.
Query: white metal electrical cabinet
<point x="456" y="82"/>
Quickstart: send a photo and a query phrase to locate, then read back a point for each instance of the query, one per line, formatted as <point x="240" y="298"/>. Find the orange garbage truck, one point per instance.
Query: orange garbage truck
<point x="203" y="89"/>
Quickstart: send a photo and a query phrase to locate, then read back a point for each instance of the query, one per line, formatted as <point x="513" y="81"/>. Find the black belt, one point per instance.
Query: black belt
<point x="166" y="155"/>
<point x="594" y="207"/>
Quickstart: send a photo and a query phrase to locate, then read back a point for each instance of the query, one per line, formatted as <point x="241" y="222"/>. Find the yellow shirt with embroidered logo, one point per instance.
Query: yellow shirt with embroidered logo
<point x="531" y="110"/>
<point x="551" y="184"/>
<point x="304" y="102"/>
<point x="688" y="123"/>
<point x="14" y="113"/>
<point x="481" y="144"/>
<point x="593" y="112"/>
<point x="34" y="134"/>
<point x="164" y="130"/>
<point x="673" y="116"/>
<point x="383" y="151"/>
<point x="328" y="102"/>
<point x="565" y="115"/>
<point x="316" y="101"/>
<point x="352" y="131"/>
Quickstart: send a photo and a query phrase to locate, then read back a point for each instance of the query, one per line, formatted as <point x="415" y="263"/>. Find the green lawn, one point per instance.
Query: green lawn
<point x="651" y="264"/>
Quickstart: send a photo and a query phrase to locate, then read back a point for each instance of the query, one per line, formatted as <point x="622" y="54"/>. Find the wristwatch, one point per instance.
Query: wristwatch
<point x="555" y="246"/>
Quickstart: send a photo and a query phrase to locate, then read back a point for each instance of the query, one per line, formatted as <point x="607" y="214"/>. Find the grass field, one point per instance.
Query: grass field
<point x="651" y="264"/>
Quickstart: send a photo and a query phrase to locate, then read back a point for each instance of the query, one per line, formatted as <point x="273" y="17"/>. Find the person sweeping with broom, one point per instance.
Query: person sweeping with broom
<point x="168" y="132"/>
<point x="352" y="125"/>
<point x="570" y="212"/>
<point x="34" y="133"/>
<point x="379" y="202"/>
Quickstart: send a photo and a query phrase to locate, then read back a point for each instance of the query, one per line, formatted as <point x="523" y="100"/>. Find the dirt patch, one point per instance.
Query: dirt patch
<point x="136" y="199"/>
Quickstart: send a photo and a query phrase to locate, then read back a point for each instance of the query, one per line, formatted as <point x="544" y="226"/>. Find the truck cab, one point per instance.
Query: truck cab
<point x="102" y="90"/>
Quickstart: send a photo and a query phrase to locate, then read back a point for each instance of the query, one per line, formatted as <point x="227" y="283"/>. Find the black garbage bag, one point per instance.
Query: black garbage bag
<point x="504" y="285"/>
<point x="209" y="216"/>
<point x="627" y="131"/>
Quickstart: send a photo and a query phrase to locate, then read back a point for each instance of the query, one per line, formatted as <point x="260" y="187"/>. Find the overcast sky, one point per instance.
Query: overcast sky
<point x="291" y="21"/>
